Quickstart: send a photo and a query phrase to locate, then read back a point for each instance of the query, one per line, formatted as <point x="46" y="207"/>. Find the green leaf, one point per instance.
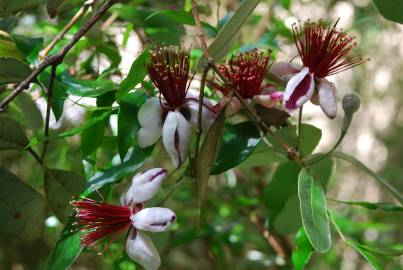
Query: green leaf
<point x="13" y="70"/>
<point x="282" y="186"/>
<point x="30" y="47"/>
<point x="60" y="187"/>
<point x="314" y="211"/>
<point x="374" y="206"/>
<point x="8" y="48"/>
<point x="92" y="137"/>
<point x="22" y="209"/>
<point x="368" y="256"/>
<point x="52" y="7"/>
<point x="115" y="173"/>
<point x="390" y="9"/>
<point x="310" y="137"/>
<point x="208" y="153"/>
<point x="128" y="124"/>
<point x="66" y="249"/>
<point x="238" y="143"/>
<point x="12" y="136"/>
<point x="136" y="75"/>
<point x="8" y="7"/>
<point x="32" y="115"/>
<point x="263" y="155"/>
<point x="303" y="251"/>
<point x="179" y="16"/>
<point x="228" y="33"/>
<point x="272" y="116"/>
<point x="86" y="88"/>
<point x="374" y="175"/>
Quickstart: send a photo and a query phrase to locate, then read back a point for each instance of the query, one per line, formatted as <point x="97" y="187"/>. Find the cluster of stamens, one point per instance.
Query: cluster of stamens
<point x="246" y="71"/>
<point x="169" y="71"/>
<point x="325" y="50"/>
<point x="98" y="221"/>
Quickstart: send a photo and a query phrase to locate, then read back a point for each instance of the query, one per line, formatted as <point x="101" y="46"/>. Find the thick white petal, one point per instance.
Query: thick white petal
<point x="175" y="136"/>
<point x="304" y="91"/>
<point x="150" y="120"/>
<point x="327" y="98"/>
<point x="154" y="219"/>
<point x="144" y="186"/>
<point x="141" y="249"/>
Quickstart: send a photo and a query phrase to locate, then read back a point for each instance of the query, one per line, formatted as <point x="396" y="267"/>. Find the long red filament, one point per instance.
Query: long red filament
<point x="325" y="50"/>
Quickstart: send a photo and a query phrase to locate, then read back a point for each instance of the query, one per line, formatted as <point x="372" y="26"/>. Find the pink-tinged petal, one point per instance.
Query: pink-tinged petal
<point x="284" y="68"/>
<point x="327" y="98"/>
<point x="150" y="120"/>
<point x="176" y="136"/>
<point x="299" y="89"/>
<point x="144" y="186"/>
<point x="154" y="219"/>
<point x="141" y="249"/>
<point x="269" y="100"/>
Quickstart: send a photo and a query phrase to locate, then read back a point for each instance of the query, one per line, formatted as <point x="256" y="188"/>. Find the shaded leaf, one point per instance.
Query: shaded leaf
<point x="12" y="136"/>
<point x="93" y="136"/>
<point x="272" y="116"/>
<point x="303" y="251"/>
<point x="86" y="88"/>
<point x="374" y="206"/>
<point x="21" y="208"/>
<point x="179" y="16"/>
<point x="224" y="39"/>
<point x="8" y="7"/>
<point x="238" y="143"/>
<point x="30" y="111"/>
<point x="128" y="124"/>
<point x="390" y="9"/>
<point x="263" y="155"/>
<point x="314" y="211"/>
<point x="13" y="70"/>
<point x="136" y="75"/>
<point x="208" y="152"/>
<point x="52" y="6"/>
<point x="368" y="256"/>
<point x="60" y="187"/>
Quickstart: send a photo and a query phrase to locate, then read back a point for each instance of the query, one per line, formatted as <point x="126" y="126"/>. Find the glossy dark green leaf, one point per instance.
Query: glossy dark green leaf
<point x="224" y="39"/>
<point x="303" y="250"/>
<point x="208" y="153"/>
<point x="390" y="9"/>
<point x="22" y="209"/>
<point x="283" y="185"/>
<point x="30" y="47"/>
<point x="13" y="70"/>
<point x="179" y="16"/>
<point x="128" y="124"/>
<point x="66" y="249"/>
<point x="238" y="143"/>
<point x="8" y="7"/>
<point x="272" y="116"/>
<point x="86" y="88"/>
<point x="115" y="173"/>
<point x="310" y="137"/>
<point x="12" y="136"/>
<point x="60" y="187"/>
<point x="111" y="51"/>
<point x="136" y="75"/>
<point x="92" y="137"/>
<point x="374" y="206"/>
<point x="314" y="211"/>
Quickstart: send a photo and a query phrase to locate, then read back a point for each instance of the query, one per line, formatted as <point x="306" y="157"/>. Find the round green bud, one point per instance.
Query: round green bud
<point x="351" y="103"/>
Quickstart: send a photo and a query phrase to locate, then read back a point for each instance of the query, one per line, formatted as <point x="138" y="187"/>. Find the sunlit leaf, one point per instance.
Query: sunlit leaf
<point x="314" y="211"/>
<point x="22" y="209"/>
<point x="303" y="251"/>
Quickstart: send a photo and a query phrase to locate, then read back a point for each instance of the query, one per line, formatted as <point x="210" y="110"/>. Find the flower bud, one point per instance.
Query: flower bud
<point x="140" y="248"/>
<point x="351" y="103"/>
<point x="154" y="219"/>
<point x="144" y="186"/>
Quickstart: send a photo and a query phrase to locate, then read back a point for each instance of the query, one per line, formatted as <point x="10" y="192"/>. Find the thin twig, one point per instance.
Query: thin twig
<point x="200" y="32"/>
<point x="49" y="95"/>
<point x="35" y="155"/>
<point x="80" y="13"/>
<point x="59" y="56"/>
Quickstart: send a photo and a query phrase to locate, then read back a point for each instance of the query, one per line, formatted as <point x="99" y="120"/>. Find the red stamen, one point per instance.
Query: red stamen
<point x="246" y="71"/>
<point x="325" y="50"/>
<point x="98" y="221"/>
<point x="169" y="71"/>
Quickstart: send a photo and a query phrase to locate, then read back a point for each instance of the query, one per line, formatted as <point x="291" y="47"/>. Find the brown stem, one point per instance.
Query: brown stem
<point x="48" y="107"/>
<point x="58" y="57"/>
<point x="65" y="29"/>
<point x="200" y="32"/>
<point x="35" y="155"/>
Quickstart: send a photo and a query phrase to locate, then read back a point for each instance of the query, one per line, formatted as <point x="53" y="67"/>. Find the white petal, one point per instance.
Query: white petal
<point x="327" y="98"/>
<point x="154" y="219"/>
<point x="150" y="120"/>
<point x="207" y="115"/>
<point x="141" y="249"/>
<point x="175" y="136"/>
<point x="296" y="93"/>
<point x="144" y="186"/>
